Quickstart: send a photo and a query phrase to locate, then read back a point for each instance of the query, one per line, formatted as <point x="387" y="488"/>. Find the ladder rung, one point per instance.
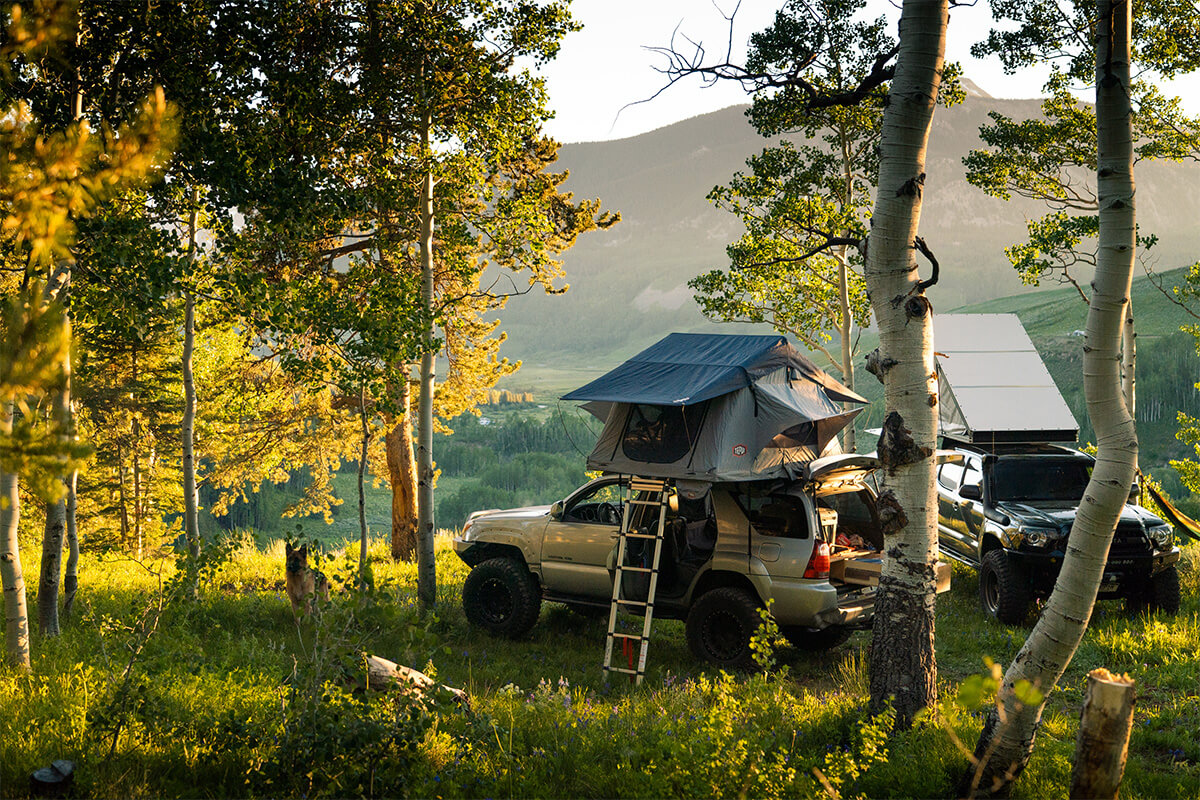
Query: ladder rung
<point x="633" y="535"/>
<point x="623" y="670"/>
<point x="645" y="603"/>
<point x="635" y="636"/>
<point x="645" y="502"/>
<point x="639" y="569"/>
<point x="645" y="485"/>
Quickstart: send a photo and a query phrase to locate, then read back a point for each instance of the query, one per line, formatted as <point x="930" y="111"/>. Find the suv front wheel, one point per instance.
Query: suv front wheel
<point x="1161" y="593"/>
<point x="720" y="625"/>
<point x="501" y="596"/>
<point x="1003" y="590"/>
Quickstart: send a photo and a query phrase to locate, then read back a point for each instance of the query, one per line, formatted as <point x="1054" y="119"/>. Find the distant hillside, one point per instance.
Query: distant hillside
<point x="628" y="285"/>
<point x="1167" y="372"/>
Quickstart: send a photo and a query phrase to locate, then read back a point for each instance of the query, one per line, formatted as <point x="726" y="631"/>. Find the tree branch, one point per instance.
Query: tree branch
<point x="924" y="250"/>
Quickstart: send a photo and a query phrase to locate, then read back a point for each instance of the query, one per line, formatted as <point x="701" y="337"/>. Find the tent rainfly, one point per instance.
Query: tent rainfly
<point x="992" y="384"/>
<point x="716" y="408"/>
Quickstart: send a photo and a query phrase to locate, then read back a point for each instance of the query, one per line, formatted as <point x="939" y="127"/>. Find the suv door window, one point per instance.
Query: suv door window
<point x="950" y="476"/>
<point x="973" y="473"/>
<point x="775" y="514"/>
<point x="590" y="506"/>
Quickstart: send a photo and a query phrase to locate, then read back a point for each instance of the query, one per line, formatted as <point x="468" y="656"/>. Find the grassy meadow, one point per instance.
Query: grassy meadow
<point x="154" y="695"/>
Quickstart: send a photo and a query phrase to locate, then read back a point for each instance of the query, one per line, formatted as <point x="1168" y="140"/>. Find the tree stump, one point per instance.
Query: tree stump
<point x="1104" y="728"/>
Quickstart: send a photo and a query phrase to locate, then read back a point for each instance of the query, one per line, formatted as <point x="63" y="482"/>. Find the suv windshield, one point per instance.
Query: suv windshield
<point x="1040" y="478"/>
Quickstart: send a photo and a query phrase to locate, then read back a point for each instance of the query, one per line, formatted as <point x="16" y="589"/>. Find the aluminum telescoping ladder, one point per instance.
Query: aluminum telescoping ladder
<point x="644" y="495"/>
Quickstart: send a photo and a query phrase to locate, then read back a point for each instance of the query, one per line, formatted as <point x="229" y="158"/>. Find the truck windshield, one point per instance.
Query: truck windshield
<point x="1040" y="478"/>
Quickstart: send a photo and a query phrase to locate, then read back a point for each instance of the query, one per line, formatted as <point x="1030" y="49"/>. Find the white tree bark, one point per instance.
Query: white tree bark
<point x="16" y="612"/>
<point x="71" y="569"/>
<point x="426" y="569"/>
<point x="51" y="573"/>
<point x="191" y="500"/>
<point x="364" y="442"/>
<point x="58" y="289"/>
<point x="903" y="668"/>
<point x="850" y="443"/>
<point x="1008" y="736"/>
<point x="1129" y="360"/>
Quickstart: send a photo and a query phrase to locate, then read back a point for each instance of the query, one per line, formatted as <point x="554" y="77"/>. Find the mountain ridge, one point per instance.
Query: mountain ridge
<point x="628" y="284"/>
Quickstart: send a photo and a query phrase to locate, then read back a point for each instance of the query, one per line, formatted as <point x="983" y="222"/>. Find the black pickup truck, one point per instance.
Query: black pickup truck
<point x="1007" y="510"/>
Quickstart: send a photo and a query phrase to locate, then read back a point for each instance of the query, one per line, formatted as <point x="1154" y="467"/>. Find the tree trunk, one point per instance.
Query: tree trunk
<point x="16" y="613"/>
<point x="1006" y="742"/>
<point x="426" y="568"/>
<point x="191" y="500"/>
<point x="850" y="443"/>
<point x="137" y="468"/>
<point x="71" y="573"/>
<point x="1129" y="361"/>
<point x="57" y="291"/>
<point x="903" y="666"/>
<point x="123" y="497"/>
<point x="1103" y="741"/>
<point x="52" y="549"/>
<point x="365" y="433"/>
<point x="402" y="474"/>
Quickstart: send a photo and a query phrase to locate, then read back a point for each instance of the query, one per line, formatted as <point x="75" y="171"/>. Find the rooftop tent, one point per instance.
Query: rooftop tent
<point x="715" y="407"/>
<point x="992" y="384"/>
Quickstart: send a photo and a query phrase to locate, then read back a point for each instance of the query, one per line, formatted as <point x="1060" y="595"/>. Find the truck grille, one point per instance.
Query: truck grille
<point x="1128" y="541"/>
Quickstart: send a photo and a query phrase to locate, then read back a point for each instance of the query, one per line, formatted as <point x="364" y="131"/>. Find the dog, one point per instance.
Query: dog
<point x="302" y="580"/>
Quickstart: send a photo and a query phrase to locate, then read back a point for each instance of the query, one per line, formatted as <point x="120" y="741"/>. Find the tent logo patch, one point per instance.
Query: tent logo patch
<point x="740" y="450"/>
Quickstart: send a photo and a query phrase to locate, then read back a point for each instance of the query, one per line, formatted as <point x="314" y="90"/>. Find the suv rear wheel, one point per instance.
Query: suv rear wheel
<point x="720" y="625"/>
<point x="815" y="640"/>
<point x="1003" y="590"/>
<point x="501" y="596"/>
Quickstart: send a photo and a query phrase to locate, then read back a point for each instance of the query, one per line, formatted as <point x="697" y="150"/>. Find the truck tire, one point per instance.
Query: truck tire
<point x="720" y="625"/>
<point x="501" y="596"/>
<point x="1161" y="593"/>
<point x="1003" y="590"/>
<point x="815" y="640"/>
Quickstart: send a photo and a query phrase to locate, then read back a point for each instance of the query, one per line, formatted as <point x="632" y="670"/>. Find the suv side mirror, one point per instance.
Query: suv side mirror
<point x="972" y="491"/>
<point x="556" y="510"/>
<point x="1135" y="492"/>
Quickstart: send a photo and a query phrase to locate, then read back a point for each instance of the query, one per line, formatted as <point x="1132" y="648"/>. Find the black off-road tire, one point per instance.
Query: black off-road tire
<point x="501" y="596"/>
<point x="816" y="641"/>
<point x="1003" y="589"/>
<point x="720" y="625"/>
<point x="1161" y="593"/>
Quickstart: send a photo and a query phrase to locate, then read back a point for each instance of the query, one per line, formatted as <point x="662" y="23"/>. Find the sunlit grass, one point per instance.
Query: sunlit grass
<point x="214" y="704"/>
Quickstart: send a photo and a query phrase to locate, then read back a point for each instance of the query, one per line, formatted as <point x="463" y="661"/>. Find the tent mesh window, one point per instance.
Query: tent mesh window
<point x="661" y="434"/>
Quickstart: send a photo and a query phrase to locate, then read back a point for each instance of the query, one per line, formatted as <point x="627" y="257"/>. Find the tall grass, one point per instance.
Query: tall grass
<point x="234" y="697"/>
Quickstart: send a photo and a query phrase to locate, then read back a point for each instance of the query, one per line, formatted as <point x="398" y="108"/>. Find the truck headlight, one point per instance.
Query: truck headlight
<point x="1161" y="535"/>
<point x="1038" y="537"/>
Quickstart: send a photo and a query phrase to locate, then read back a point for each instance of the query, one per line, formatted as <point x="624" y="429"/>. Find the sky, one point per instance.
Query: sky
<point x="603" y="71"/>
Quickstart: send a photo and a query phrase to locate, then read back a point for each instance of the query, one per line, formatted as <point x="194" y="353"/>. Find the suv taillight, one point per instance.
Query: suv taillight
<point x="818" y="563"/>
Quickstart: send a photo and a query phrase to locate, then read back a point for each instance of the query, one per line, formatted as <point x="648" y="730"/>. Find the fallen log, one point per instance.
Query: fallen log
<point x="382" y="674"/>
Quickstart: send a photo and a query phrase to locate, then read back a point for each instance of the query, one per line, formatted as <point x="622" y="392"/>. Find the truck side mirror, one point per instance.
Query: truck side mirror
<point x="972" y="491"/>
<point x="1135" y="492"/>
<point x="556" y="510"/>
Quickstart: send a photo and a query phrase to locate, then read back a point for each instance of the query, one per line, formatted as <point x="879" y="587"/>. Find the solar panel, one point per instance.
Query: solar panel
<point x="993" y="385"/>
